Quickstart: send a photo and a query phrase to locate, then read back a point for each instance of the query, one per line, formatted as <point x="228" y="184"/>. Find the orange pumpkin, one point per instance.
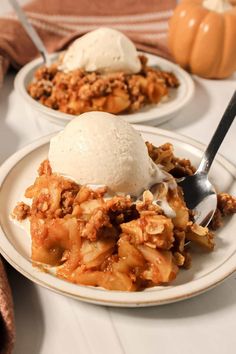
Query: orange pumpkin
<point x="202" y="37"/>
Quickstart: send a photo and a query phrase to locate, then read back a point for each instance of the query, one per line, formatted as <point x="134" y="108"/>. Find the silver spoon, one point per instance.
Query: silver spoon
<point x="31" y="31"/>
<point x="199" y="194"/>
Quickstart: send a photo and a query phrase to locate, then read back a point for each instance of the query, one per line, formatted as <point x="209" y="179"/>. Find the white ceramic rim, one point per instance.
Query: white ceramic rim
<point x="101" y="296"/>
<point x="166" y="112"/>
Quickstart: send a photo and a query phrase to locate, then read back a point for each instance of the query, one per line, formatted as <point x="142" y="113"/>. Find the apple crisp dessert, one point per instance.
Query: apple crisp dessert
<point x="115" y="243"/>
<point x="78" y="91"/>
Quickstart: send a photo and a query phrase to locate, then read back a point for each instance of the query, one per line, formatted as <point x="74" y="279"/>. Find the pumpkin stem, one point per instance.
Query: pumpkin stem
<point x="217" y="5"/>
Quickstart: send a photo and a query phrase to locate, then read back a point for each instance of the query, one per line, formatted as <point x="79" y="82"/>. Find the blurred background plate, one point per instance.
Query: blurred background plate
<point x="151" y="114"/>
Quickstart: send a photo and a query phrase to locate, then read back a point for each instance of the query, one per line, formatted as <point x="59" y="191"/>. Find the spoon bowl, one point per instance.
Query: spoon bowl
<point x="199" y="194"/>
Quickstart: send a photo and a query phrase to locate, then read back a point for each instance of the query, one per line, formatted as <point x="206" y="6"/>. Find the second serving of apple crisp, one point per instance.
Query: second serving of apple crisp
<point x="78" y="91"/>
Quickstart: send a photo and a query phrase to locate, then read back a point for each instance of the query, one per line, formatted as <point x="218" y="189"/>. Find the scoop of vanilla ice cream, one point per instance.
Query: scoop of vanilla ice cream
<point x="105" y="50"/>
<point x="102" y="149"/>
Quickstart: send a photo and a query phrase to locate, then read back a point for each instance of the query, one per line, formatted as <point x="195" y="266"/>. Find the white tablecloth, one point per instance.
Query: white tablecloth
<point x="47" y="323"/>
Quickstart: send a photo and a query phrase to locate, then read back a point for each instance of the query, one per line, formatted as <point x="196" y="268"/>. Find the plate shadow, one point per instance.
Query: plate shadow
<point x="193" y="112"/>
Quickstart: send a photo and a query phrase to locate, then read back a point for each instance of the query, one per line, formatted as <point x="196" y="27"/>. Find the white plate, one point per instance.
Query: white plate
<point x="152" y="114"/>
<point x="207" y="270"/>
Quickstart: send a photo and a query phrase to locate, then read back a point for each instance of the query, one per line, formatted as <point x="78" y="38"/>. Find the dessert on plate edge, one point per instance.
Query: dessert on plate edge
<point x="95" y="216"/>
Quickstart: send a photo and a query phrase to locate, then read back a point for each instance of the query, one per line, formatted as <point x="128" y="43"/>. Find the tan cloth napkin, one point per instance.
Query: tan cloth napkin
<point x="7" y="327"/>
<point x="59" y="22"/>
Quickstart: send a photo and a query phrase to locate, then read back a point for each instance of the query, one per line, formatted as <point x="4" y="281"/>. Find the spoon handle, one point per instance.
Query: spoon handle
<point x="218" y="137"/>
<point x="31" y="31"/>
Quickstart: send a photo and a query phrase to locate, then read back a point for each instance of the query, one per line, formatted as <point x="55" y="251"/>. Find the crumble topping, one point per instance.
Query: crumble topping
<point x="78" y="91"/>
